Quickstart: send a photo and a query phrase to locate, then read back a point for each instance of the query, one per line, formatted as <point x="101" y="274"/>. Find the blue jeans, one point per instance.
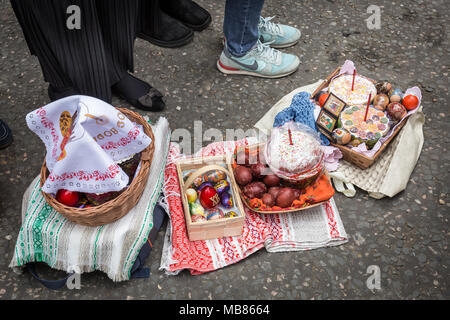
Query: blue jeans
<point x="240" y="25"/>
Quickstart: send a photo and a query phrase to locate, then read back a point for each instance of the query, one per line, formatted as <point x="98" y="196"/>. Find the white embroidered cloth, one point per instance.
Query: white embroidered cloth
<point x="85" y="138"/>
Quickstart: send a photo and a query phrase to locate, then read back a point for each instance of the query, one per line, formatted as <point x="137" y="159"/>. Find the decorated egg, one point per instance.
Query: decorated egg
<point x="226" y="200"/>
<point x="323" y="98"/>
<point x="410" y="102"/>
<point x="198" y="218"/>
<point x="214" y="214"/>
<point x="230" y="214"/>
<point x="396" y="111"/>
<point x="191" y="195"/>
<point x="341" y="136"/>
<point x="383" y="87"/>
<point x="204" y="184"/>
<point x="209" y="198"/>
<point x="381" y="101"/>
<point x="222" y="186"/>
<point x="396" y="95"/>
<point x="196" y="209"/>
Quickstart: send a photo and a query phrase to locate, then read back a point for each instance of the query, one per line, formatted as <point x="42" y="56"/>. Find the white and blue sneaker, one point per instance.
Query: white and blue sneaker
<point x="278" y="35"/>
<point x="261" y="61"/>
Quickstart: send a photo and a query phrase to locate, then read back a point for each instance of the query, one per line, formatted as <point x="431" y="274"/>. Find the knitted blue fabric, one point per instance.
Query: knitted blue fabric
<point x="301" y="110"/>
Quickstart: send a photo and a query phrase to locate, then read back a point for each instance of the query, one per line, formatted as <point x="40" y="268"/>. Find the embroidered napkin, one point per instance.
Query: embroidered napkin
<point x="85" y="138"/>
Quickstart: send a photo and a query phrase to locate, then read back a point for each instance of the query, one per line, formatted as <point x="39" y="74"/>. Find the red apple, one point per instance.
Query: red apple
<point x="69" y="198"/>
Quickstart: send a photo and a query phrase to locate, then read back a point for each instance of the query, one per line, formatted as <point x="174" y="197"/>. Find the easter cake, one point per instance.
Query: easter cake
<point x="370" y="131"/>
<point x="342" y="88"/>
<point x="294" y="155"/>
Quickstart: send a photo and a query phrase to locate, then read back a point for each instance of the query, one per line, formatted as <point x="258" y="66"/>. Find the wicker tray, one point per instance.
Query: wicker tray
<point x="253" y="149"/>
<point x="212" y="229"/>
<point x="118" y="207"/>
<point x="358" y="159"/>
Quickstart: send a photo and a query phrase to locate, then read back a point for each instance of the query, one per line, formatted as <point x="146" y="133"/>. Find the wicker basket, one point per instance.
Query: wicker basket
<point x="118" y="207"/>
<point x="360" y="160"/>
<point x="212" y="229"/>
<point x="255" y="149"/>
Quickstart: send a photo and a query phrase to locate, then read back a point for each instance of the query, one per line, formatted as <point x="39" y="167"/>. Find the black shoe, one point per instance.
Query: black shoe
<point x="55" y="93"/>
<point x="188" y="12"/>
<point x="6" y="137"/>
<point x="159" y="28"/>
<point x="139" y="93"/>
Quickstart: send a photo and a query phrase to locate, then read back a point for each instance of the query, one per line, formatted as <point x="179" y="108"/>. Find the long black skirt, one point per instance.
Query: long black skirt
<point x="89" y="59"/>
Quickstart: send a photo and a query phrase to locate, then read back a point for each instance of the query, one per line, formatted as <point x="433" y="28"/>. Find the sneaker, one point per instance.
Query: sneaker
<point x="261" y="61"/>
<point x="279" y="35"/>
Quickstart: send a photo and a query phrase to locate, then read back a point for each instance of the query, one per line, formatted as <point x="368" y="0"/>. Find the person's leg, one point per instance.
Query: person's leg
<point x="244" y="53"/>
<point x="118" y="20"/>
<point x="159" y="28"/>
<point x="72" y="60"/>
<point x="188" y="12"/>
<point x="240" y="25"/>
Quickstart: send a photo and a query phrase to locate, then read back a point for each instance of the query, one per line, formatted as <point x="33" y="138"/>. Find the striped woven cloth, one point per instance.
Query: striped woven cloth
<point x="46" y="236"/>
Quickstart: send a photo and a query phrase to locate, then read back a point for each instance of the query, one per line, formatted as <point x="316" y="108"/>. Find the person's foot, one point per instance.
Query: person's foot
<point x="6" y="137"/>
<point x="261" y="61"/>
<point x="139" y="93"/>
<point x="162" y="30"/>
<point x="278" y="35"/>
<point x="188" y="12"/>
<point x="55" y="93"/>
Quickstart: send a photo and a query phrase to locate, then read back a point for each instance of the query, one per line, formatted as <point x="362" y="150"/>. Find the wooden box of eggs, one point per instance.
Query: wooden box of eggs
<point x="373" y="111"/>
<point x="211" y="202"/>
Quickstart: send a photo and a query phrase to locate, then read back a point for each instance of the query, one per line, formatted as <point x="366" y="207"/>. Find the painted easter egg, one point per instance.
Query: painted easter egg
<point x="341" y="136"/>
<point x="230" y="214"/>
<point x="396" y="111"/>
<point x="381" y="101"/>
<point x="214" y="214"/>
<point x="191" y="195"/>
<point x="198" y="218"/>
<point x="323" y="98"/>
<point x="196" y="209"/>
<point x="396" y="95"/>
<point x="410" y="102"/>
<point x="209" y="198"/>
<point x="222" y="186"/>
<point x="226" y="200"/>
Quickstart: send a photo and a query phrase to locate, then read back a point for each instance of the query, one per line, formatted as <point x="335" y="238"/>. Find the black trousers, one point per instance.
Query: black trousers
<point x="90" y="59"/>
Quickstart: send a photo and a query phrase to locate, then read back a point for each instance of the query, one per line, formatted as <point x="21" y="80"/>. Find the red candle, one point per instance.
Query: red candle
<point x="367" y="108"/>
<point x="290" y="137"/>
<point x="353" y="83"/>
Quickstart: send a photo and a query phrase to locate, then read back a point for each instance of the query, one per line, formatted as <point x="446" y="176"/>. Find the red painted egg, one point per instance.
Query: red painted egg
<point x="410" y="102"/>
<point x="209" y="198"/>
<point x="323" y="98"/>
<point x="69" y="198"/>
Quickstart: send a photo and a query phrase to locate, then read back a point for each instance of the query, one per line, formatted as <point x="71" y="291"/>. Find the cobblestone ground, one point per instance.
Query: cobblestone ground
<point x="406" y="236"/>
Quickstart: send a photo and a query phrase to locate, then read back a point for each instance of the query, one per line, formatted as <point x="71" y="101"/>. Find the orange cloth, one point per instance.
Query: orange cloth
<point x="319" y="191"/>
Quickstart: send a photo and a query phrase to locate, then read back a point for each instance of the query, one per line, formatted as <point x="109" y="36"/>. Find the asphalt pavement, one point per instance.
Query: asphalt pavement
<point x="406" y="236"/>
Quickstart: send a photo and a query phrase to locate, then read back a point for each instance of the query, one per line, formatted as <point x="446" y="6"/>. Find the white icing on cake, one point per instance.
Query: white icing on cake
<point x="342" y="88"/>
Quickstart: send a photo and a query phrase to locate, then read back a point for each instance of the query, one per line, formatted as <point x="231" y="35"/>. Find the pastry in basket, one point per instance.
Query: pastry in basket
<point x="369" y="131"/>
<point x="293" y="153"/>
<point x="342" y="88"/>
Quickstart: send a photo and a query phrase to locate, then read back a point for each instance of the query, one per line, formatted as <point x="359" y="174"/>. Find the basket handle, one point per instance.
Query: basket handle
<point x="201" y="171"/>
